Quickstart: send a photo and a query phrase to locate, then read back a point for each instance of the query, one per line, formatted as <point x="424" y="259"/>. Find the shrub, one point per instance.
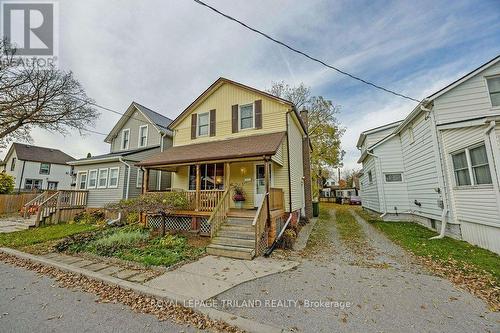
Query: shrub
<point x="288" y="238"/>
<point x="6" y="183"/>
<point x="132" y="218"/>
<point x="75" y="243"/>
<point x="164" y="203"/>
<point x="117" y="241"/>
<point x="92" y="217"/>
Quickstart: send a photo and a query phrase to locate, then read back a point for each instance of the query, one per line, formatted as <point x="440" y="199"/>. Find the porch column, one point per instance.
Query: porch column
<point x="145" y="181"/>
<point x="227" y="175"/>
<point x="198" y="187"/>
<point x="267" y="169"/>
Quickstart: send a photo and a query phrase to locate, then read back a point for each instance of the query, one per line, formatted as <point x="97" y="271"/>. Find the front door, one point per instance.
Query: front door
<point x="52" y="186"/>
<point x="260" y="183"/>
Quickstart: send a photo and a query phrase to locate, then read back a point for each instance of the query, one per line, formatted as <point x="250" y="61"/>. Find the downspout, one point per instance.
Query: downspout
<point x="288" y="156"/>
<point x="21" y="180"/>
<point x="128" y="175"/>
<point x="443" y="193"/>
<point x="494" y="147"/>
<point x="384" y="213"/>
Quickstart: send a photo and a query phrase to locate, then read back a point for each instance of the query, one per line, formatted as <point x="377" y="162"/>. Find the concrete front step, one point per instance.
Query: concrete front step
<point x="232" y="241"/>
<point x="230" y="251"/>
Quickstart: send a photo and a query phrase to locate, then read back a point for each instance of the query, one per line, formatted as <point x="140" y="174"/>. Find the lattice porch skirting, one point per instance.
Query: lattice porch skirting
<point x="180" y="223"/>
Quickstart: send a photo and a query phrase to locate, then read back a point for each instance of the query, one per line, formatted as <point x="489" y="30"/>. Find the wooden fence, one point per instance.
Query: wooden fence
<point x="12" y="203"/>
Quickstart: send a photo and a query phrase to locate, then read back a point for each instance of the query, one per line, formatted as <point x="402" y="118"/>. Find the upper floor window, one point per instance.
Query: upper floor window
<point x="44" y="168"/>
<point x="471" y="166"/>
<point x="411" y="134"/>
<point x="13" y="164"/>
<point x="125" y="138"/>
<point x="370" y="177"/>
<point x="203" y="123"/>
<point x="246" y="116"/>
<point x="494" y="89"/>
<point x="143" y="135"/>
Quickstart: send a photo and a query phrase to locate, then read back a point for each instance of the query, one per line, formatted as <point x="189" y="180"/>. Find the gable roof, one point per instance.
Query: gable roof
<point x="214" y="86"/>
<point x="364" y="134"/>
<point x="26" y="152"/>
<point x="426" y="101"/>
<point x="159" y="121"/>
<point x="242" y="147"/>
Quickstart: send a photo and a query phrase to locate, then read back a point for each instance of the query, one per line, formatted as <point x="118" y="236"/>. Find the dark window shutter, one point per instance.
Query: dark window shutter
<point x="235" y="118"/>
<point x="258" y="114"/>
<point x="194" y="118"/>
<point x="212" y="122"/>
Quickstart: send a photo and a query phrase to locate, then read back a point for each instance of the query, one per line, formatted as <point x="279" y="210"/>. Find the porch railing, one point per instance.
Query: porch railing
<point x="259" y="224"/>
<point x="276" y="198"/>
<point x="219" y="214"/>
<point x="208" y="199"/>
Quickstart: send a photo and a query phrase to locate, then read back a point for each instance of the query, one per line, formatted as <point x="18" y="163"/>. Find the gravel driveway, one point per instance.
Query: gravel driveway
<point x="378" y="289"/>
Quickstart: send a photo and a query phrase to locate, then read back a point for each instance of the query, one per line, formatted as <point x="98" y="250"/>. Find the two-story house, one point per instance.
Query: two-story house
<point x="138" y="134"/>
<point x="235" y="136"/>
<point x="448" y="153"/>
<point x="38" y="168"/>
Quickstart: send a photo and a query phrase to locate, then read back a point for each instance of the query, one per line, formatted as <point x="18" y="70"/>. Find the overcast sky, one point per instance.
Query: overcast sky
<point x="163" y="54"/>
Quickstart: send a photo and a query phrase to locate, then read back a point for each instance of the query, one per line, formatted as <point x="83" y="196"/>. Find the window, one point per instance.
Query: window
<point x="138" y="183"/>
<point x="212" y="177"/>
<point x="394" y="177"/>
<point x="471" y="166"/>
<point x="113" y="177"/>
<point x="44" y="168"/>
<point x="246" y="116"/>
<point x="203" y="123"/>
<point x="13" y="164"/>
<point x="92" y="179"/>
<point x="143" y="136"/>
<point x="411" y="134"/>
<point x="102" y="181"/>
<point x="33" y="184"/>
<point x="125" y="139"/>
<point x="82" y="183"/>
<point x="370" y="177"/>
<point x="494" y="89"/>
<point x="479" y="164"/>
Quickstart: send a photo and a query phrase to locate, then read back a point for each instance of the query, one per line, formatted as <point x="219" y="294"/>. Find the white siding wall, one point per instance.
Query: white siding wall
<point x="296" y="166"/>
<point x="376" y="137"/>
<point x="369" y="191"/>
<point x="468" y="100"/>
<point x="421" y="168"/>
<point x="391" y="160"/>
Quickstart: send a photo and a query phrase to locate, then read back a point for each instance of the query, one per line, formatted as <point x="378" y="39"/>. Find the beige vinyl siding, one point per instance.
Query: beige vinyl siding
<point x="280" y="175"/>
<point x="369" y="191"/>
<point x="475" y="204"/>
<point x="133" y="123"/>
<point x="421" y="168"/>
<point x="391" y="160"/>
<point x="468" y="100"/>
<point x="296" y="165"/>
<point x="99" y="197"/>
<point x="273" y="115"/>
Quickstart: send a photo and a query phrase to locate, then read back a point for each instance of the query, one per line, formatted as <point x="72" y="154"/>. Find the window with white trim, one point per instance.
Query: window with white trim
<point x="143" y="135"/>
<point x="102" y="180"/>
<point x="125" y="138"/>
<point x="33" y="184"/>
<point x="494" y="90"/>
<point x="471" y="166"/>
<point x="370" y="177"/>
<point x="82" y="180"/>
<point x="246" y="116"/>
<point x="203" y="123"/>
<point x="92" y="179"/>
<point x="138" y="182"/>
<point x="44" y="168"/>
<point x="113" y="177"/>
<point x="13" y="164"/>
<point x="394" y="177"/>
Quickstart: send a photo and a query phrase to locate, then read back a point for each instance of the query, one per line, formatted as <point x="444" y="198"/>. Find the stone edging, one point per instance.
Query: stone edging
<point x="243" y="323"/>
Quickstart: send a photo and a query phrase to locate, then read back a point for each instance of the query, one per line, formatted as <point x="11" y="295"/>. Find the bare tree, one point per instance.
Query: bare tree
<point x="47" y="98"/>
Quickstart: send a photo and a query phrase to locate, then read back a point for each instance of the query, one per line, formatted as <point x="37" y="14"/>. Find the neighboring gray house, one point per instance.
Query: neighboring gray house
<point x="140" y="133"/>
<point x="38" y="168"/>
<point x="441" y="164"/>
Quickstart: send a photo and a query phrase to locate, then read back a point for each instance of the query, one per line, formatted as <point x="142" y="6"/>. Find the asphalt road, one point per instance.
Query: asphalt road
<point x="32" y="303"/>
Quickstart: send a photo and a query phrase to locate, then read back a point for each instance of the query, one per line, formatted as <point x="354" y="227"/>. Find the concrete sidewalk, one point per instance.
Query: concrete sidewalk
<point x="11" y="224"/>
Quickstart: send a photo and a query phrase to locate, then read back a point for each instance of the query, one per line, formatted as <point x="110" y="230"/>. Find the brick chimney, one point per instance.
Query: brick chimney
<point x="306" y="157"/>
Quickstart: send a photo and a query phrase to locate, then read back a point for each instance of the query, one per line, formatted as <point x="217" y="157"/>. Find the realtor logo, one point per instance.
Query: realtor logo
<point x="30" y="27"/>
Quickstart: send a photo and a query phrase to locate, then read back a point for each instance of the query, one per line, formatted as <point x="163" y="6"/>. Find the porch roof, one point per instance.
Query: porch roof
<point x="243" y="147"/>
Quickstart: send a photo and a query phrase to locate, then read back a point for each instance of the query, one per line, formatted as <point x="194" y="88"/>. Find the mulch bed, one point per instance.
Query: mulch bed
<point x="163" y="310"/>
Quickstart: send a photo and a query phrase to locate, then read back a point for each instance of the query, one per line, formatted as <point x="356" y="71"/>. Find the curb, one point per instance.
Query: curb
<point x="246" y="324"/>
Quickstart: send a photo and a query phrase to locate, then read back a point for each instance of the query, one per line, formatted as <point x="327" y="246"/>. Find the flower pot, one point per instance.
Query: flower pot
<point x="238" y="204"/>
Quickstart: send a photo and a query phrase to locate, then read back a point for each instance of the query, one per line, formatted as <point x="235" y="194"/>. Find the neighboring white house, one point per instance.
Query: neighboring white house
<point x="442" y="163"/>
<point x="38" y="168"/>
<point x="139" y="134"/>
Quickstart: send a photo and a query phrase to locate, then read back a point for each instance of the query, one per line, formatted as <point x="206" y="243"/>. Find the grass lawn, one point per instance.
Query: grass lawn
<point x="415" y="238"/>
<point x="140" y="245"/>
<point x="29" y="237"/>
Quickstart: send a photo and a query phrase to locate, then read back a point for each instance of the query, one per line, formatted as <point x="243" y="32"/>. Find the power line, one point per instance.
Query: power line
<point x="305" y="54"/>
